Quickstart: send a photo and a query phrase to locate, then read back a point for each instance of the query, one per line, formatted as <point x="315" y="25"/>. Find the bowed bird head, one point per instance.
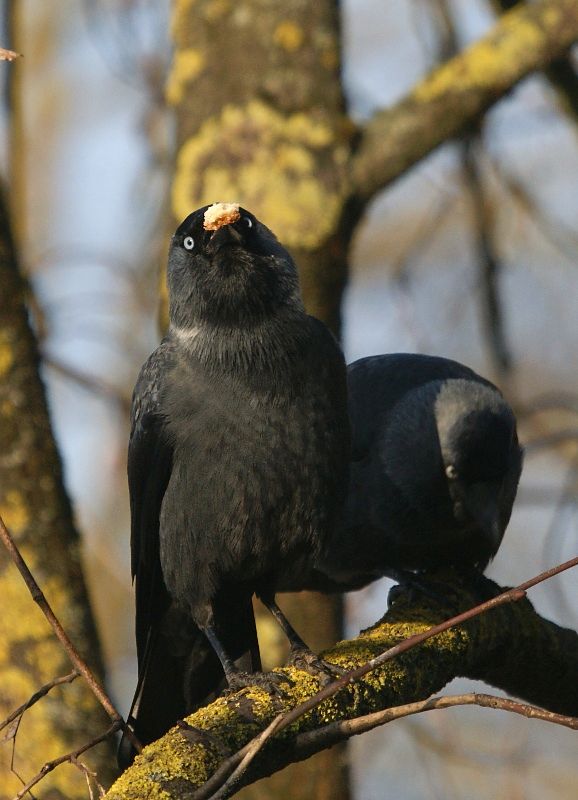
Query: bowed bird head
<point x="451" y="450"/>
<point x="482" y="458"/>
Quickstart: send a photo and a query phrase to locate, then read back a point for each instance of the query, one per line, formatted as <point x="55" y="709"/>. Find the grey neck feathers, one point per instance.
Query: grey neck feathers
<point x="269" y="346"/>
<point x="456" y="398"/>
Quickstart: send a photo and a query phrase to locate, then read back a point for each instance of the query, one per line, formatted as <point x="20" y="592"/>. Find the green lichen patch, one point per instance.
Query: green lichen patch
<point x="288" y="170"/>
<point x="289" y="35"/>
<point x="187" y="65"/>
<point x="6" y="356"/>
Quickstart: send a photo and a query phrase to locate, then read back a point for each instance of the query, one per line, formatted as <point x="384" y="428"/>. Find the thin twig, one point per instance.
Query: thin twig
<point x="249" y="753"/>
<point x="549" y="401"/>
<point x="38" y="695"/>
<point x="422" y="236"/>
<point x="71" y="651"/>
<point x="488" y="259"/>
<point x="90" y="382"/>
<point x="68" y="758"/>
<point x="562" y="236"/>
<point x="312" y="741"/>
<point x="551" y="440"/>
<point x="223" y="774"/>
<point x="90" y="777"/>
<point x="483" y="220"/>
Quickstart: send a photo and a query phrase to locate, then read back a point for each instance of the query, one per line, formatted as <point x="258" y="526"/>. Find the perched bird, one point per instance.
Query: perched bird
<point x="434" y="473"/>
<point x="237" y="461"/>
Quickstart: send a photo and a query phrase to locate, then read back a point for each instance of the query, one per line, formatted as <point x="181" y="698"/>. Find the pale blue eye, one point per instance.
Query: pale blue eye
<point x="248" y="222"/>
<point x="188" y="242"/>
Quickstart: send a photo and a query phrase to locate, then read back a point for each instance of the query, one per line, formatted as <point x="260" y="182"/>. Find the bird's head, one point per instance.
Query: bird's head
<point x="482" y="459"/>
<point x="227" y="268"/>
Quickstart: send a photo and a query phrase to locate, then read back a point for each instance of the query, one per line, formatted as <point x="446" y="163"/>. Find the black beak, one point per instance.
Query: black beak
<point x="482" y="503"/>
<point x="225" y="236"/>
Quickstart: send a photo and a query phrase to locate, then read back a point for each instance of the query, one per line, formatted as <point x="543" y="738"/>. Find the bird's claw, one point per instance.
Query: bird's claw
<point x="308" y="661"/>
<point x="270" y="682"/>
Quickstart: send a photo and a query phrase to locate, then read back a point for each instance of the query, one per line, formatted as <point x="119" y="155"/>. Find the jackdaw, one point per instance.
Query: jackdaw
<point x="237" y="461"/>
<point x="434" y="473"/>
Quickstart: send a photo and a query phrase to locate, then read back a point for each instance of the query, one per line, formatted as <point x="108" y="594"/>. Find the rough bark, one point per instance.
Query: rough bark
<point x="455" y="95"/>
<point x="510" y="647"/>
<point x="34" y="505"/>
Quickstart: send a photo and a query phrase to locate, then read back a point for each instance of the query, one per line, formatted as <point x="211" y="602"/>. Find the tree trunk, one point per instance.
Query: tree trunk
<point x="36" y="509"/>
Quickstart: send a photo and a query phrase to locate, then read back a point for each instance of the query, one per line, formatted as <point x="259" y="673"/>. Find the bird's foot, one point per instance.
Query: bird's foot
<point x="270" y="682"/>
<point x="305" y="659"/>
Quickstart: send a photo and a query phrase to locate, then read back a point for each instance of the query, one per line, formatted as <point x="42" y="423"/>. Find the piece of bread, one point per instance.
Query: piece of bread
<point x="220" y="214"/>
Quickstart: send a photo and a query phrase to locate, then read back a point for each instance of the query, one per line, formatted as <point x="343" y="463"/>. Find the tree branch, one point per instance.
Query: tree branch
<point x="334" y="732"/>
<point x="560" y="72"/>
<point x="491" y="647"/>
<point x="38" y="695"/>
<point x="77" y="661"/>
<point x="489" y="262"/>
<point x="454" y="96"/>
<point x="68" y="758"/>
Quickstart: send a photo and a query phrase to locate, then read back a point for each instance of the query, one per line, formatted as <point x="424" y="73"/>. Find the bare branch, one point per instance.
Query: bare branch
<point x="91" y="778"/>
<point x="551" y="440"/>
<point x="488" y="259"/>
<point x="311" y="741"/>
<point x="70" y="758"/>
<point x="71" y="651"/>
<point x="549" y="401"/>
<point x="90" y="382"/>
<point x="559" y="234"/>
<point x="38" y="695"/>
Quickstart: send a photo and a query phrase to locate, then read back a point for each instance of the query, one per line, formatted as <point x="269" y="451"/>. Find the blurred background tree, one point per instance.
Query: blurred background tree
<point x="471" y="255"/>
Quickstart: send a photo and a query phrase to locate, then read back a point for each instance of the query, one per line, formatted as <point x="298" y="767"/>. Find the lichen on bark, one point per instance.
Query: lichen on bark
<point x="495" y="647"/>
<point x="453" y="96"/>
<point x="36" y="509"/>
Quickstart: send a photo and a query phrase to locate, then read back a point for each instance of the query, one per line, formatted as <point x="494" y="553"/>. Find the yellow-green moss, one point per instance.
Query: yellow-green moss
<point x="187" y="65"/>
<point x="214" y="10"/>
<point x="329" y="58"/>
<point x="253" y="155"/>
<point x="488" y="61"/>
<point x="14" y="512"/>
<point x="180" y="11"/>
<point x="6" y="357"/>
<point x="288" y="35"/>
<point x="137" y="786"/>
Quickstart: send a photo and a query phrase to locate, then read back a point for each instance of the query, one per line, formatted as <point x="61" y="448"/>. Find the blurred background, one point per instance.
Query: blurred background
<point x="88" y="152"/>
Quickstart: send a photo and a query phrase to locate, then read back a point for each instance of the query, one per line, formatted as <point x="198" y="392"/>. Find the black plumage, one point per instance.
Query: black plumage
<point x="434" y="473"/>
<point x="237" y="460"/>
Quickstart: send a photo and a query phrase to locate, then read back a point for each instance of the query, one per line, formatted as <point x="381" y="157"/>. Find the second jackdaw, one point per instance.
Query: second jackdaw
<point x="433" y="477"/>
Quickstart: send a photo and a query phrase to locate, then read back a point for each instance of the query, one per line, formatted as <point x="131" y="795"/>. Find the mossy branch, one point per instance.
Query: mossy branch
<point x="510" y="647"/>
<point x="560" y="72"/>
<point x="452" y="97"/>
